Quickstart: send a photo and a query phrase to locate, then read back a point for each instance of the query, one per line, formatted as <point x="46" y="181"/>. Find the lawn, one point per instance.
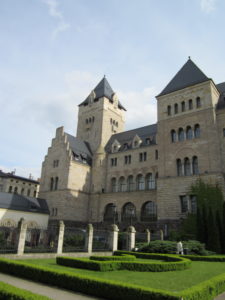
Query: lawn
<point x="170" y="281"/>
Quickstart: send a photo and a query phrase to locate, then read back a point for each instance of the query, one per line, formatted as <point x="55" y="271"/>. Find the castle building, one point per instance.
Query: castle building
<point x="141" y="176"/>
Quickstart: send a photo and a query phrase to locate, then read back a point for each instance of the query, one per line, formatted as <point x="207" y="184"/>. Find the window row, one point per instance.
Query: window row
<point x="129" y="212"/>
<point x="184" y="106"/>
<point x="187" y="167"/>
<point x="54" y="183"/>
<point x="188" y="204"/>
<point x="128" y="158"/>
<point x="140" y="183"/>
<point x="15" y="190"/>
<point x="90" y="120"/>
<point x="187" y="134"/>
<point x="113" y="122"/>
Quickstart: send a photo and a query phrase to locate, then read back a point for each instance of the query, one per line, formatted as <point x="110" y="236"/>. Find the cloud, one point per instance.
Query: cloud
<point x="57" y="14"/>
<point x="208" y="6"/>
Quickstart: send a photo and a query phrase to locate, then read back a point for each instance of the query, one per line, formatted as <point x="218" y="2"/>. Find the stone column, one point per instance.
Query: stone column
<point x="161" y="235"/>
<point x="148" y="235"/>
<point x="131" y="238"/>
<point x="89" y="238"/>
<point x="113" y="237"/>
<point x="22" y="228"/>
<point x="60" y="237"/>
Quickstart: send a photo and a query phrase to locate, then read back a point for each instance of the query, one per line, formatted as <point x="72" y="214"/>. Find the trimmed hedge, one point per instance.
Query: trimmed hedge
<point x="87" y="284"/>
<point x="8" y="291"/>
<point x="123" y="257"/>
<point x="215" y="258"/>
<point x="171" y="263"/>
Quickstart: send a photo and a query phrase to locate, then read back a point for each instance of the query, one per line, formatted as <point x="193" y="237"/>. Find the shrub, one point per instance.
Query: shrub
<point x="13" y="293"/>
<point x="124" y="257"/>
<point x="159" y="247"/>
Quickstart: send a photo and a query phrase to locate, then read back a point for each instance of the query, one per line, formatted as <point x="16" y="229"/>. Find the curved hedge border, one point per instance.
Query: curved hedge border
<point x="107" y="289"/>
<point x="174" y="263"/>
<point x="123" y="257"/>
<point x="8" y="291"/>
<point x="214" y="258"/>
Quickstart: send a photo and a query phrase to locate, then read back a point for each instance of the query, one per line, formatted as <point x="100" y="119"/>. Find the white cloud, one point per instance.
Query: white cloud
<point x="208" y="5"/>
<point x="57" y="14"/>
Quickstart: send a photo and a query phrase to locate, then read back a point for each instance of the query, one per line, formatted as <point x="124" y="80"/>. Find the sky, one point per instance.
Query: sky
<point x="54" y="52"/>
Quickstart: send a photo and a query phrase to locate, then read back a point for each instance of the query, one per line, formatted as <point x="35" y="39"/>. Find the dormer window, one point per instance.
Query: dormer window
<point x="115" y="146"/>
<point x="148" y="141"/>
<point x="136" y="142"/>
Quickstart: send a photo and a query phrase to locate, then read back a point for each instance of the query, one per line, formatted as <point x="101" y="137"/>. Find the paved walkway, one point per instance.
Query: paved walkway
<point x="41" y="289"/>
<point x="220" y="297"/>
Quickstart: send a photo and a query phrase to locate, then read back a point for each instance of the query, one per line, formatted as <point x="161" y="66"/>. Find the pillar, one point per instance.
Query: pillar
<point x="89" y="238"/>
<point x="60" y="237"/>
<point x="22" y="228"/>
<point x="148" y="235"/>
<point x="161" y="235"/>
<point x="113" y="237"/>
<point x="131" y="238"/>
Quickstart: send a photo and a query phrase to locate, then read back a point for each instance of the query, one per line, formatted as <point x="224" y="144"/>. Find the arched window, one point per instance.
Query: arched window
<point x="10" y="189"/>
<point x="110" y="214"/>
<point x="180" y="134"/>
<point x="190" y="104"/>
<point x="130" y="183"/>
<point x="51" y="183"/>
<point x="183" y="106"/>
<point x="150" y="182"/>
<point x="89" y="120"/>
<point x="187" y="167"/>
<point x="156" y="178"/>
<point x="195" y="165"/>
<point x="189" y="134"/>
<point x="122" y="184"/>
<point x="140" y="182"/>
<point x="179" y="167"/>
<point x="169" y="110"/>
<point x="56" y="183"/>
<point x="148" y="212"/>
<point x="175" y="108"/>
<point x="113" y="185"/>
<point x="197" y="131"/>
<point x="173" y="136"/>
<point x="15" y="190"/>
<point x="129" y="212"/>
<point x="198" y="102"/>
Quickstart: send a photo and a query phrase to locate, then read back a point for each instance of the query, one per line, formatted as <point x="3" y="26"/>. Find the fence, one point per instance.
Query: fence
<point x="61" y="239"/>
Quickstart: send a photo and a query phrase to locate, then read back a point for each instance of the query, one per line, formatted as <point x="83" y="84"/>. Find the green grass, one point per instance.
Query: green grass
<point x="170" y="281"/>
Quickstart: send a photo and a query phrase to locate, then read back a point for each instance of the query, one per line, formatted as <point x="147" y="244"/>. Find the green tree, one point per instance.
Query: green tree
<point x="213" y="243"/>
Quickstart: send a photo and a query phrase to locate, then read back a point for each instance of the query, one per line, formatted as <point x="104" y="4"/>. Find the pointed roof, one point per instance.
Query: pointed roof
<point x="188" y="75"/>
<point x="103" y="89"/>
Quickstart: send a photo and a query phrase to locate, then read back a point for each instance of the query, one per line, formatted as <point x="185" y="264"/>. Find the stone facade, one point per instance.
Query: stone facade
<point x="142" y="176"/>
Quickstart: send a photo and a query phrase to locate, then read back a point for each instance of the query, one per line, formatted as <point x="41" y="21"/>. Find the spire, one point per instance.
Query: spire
<point x="188" y="75"/>
<point x="103" y="89"/>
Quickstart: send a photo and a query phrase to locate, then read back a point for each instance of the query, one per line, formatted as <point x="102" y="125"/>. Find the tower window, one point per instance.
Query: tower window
<point x="197" y="131"/>
<point x="169" y="110"/>
<point x="173" y="136"/>
<point x="156" y="154"/>
<point x="198" y="102"/>
<point x="176" y="108"/>
<point x="190" y="104"/>
<point x="180" y="134"/>
<point x="183" y="106"/>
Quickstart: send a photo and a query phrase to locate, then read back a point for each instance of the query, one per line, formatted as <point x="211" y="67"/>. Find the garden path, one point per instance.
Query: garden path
<point x="45" y="290"/>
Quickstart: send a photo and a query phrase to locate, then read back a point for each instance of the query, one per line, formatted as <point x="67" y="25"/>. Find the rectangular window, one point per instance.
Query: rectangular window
<point x="156" y="154"/>
<point x="127" y="159"/>
<point x="193" y="204"/>
<point x="140" y="156"/>
<point x="224" y="132"/>
<point x="145" y="156"/>
<point x="55" y="163"/>
<point x="184" y="204"/>
<point x="114" y="161"/>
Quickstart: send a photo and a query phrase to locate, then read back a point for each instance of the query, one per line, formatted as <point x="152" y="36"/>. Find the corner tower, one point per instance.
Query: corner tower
<point x="100" y="115"/>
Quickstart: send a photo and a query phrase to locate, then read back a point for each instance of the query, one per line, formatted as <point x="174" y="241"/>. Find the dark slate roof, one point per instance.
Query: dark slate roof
<point x="13" y="176"/>
<point x="80" y="149"/>
<point x="103" y="89"/>
<point x="221" y="101"/>
<point x="125" y="138"/>
<point x="188" y="75"/>
<point x="23" y="203"/>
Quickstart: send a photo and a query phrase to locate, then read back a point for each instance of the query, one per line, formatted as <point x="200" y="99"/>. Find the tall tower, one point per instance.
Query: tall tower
<point x="100" y="116"/>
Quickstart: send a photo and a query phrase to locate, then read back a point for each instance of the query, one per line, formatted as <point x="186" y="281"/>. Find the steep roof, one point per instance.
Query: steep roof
<point x="126" y="137"/>
<point x="80" y="149"/>
<point x="103" y="89"/>
<point x="23" y="203"/>
<point x="188" y="75"/>
<point x="221" y="101"/>
<point x="12" y="175"/>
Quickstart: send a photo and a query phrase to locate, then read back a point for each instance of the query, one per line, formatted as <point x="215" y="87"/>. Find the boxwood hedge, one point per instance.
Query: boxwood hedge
<point x="8" y="291"/>
<point x="123" y="257"/>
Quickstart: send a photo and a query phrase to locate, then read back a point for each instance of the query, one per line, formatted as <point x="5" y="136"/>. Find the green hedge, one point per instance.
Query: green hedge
<point x="124" y="257"/>
<point x="220" y="258"/>
<point x="174" y="263"/>
<point x="82" y="283"/>
<point x="13" y="293"/>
